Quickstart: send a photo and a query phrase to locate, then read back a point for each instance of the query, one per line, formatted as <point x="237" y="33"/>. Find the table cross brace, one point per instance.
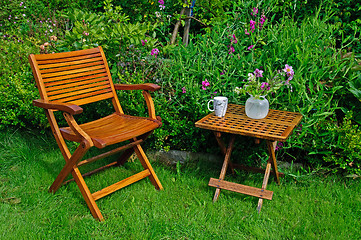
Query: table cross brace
<point x="261" y="193"/>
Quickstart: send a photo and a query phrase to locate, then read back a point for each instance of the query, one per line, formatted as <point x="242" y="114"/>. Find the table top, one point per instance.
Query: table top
<point x="276" y="126"/>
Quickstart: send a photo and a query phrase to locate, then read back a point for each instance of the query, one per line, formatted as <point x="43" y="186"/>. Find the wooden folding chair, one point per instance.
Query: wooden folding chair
<point x="71" y="79"/>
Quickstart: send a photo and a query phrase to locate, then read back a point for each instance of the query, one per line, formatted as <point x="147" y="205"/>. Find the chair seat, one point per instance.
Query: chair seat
<point x="113" y="129"/>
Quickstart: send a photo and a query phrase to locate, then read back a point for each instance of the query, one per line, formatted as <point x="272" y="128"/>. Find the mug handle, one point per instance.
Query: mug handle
<point x="212" y="110"/>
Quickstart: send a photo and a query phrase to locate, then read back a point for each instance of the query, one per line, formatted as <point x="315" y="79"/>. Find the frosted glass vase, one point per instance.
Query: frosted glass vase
<point x="257" y="108"/>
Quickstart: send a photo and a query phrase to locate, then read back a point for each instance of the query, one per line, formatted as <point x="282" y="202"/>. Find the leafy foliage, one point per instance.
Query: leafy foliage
<point x="240" y="36"/>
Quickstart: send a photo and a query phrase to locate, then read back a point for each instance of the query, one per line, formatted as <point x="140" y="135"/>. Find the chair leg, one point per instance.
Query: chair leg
<point x="69" y="165"/>
<point x="146" y="165"/>
<point x="127" y="153"/>
<point x="88" y="197"/>
<point x="125" y="156"/>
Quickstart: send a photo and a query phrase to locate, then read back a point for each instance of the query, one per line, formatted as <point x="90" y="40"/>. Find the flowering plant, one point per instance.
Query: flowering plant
<point x="259" y="88"/>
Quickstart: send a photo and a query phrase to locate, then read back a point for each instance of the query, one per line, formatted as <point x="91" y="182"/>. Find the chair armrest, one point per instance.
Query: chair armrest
<point x="145" y="86"/>
<point x="64" y="107"/>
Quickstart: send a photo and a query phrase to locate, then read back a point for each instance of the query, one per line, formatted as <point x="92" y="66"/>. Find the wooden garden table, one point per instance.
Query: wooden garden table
<point x="276" y="126"/>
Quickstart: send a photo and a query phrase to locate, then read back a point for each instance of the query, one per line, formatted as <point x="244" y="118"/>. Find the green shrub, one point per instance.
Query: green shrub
<point x="340" y="144"/>
<point x="17" y="93"/>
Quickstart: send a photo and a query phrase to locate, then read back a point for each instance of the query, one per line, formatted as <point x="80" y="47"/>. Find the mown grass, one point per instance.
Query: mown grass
<point x="306" y="206"/>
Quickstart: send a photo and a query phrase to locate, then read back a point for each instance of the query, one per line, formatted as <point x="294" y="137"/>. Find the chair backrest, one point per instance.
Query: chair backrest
<point x="78" y="77"/>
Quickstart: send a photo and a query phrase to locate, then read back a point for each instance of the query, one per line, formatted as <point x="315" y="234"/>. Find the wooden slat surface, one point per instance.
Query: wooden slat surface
<point x="113" y="128"/>
<point x="277" y="126"/>
<point x="48" y="58"/>
<point x="235" y="187"/>
<point x="78" y="77"/>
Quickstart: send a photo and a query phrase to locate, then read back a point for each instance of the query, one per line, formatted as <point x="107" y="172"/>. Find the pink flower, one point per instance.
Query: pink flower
<point x="262" y="20"/>
<point x="205" y="84"/>
<point x="278" y="146"/>
<point x="246" y="32"/>
<point x="161" y="2"/>
<point x="258" y="73"/>
<point x="144" y="41"/>
<point x="184" y="90"/>
<point x="250" y="47"/>
<point x="263" y="85"/>
<point x="154" y="51"/>
<point x="231" y="49"/>
<point x="252" y="24"/>
<point x="255" y="11"/>
<point x="234" y="39"/>
<point x="289" y="72"/>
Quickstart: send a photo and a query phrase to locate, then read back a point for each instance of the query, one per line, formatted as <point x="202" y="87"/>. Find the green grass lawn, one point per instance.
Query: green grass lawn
<point x="309" y="206"/>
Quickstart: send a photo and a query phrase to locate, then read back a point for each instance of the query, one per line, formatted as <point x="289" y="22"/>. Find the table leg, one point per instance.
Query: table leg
<point x="271" y="162"/>
<point x="223" y="147"/>
<point x="271" y="150"/>
<point x="225" y="165"/>
<point x="264" y="184"/>
<point x="220" y="142"/>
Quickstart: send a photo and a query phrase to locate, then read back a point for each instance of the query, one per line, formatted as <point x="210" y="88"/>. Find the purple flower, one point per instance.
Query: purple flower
<point x="161" y="2"/>
<point x="289" y="72"/>
<point x="255" y="11"/>
<point x="250" y="47"/>
<point x="222" y="73"/>
<point x="205" y="84"/>
<point x="184" y="90"/>
<point x="231" y="49"/>
<point x="264" y="85"/>
<point x="262" y="20"/>
<point x="252" y="24"/>
<point x="154" y="51"/>
<point x="279" y="146"/>
<point x="144" y="41"/>
<point x="234" y="39"/>
<point x="258" y="73"/>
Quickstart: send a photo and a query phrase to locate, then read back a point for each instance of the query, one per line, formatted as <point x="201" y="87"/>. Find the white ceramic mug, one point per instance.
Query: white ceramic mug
<point x="219" y="106"/>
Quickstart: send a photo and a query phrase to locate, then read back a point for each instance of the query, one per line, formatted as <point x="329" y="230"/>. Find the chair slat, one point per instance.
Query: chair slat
<point x="92" y="99"/>
<point x="79" y="93"/>
<point x="74" y="84"/>
<point x="69" y="90"/>
<point x="69" y="71"/>
<point x="100" y="76"/>
<point x="73" y="76"/>
<point x="45" y="57"/>
<point x="82" y="96"/>
<point x="71" y="65"/>
<point x="43" y="64"/>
